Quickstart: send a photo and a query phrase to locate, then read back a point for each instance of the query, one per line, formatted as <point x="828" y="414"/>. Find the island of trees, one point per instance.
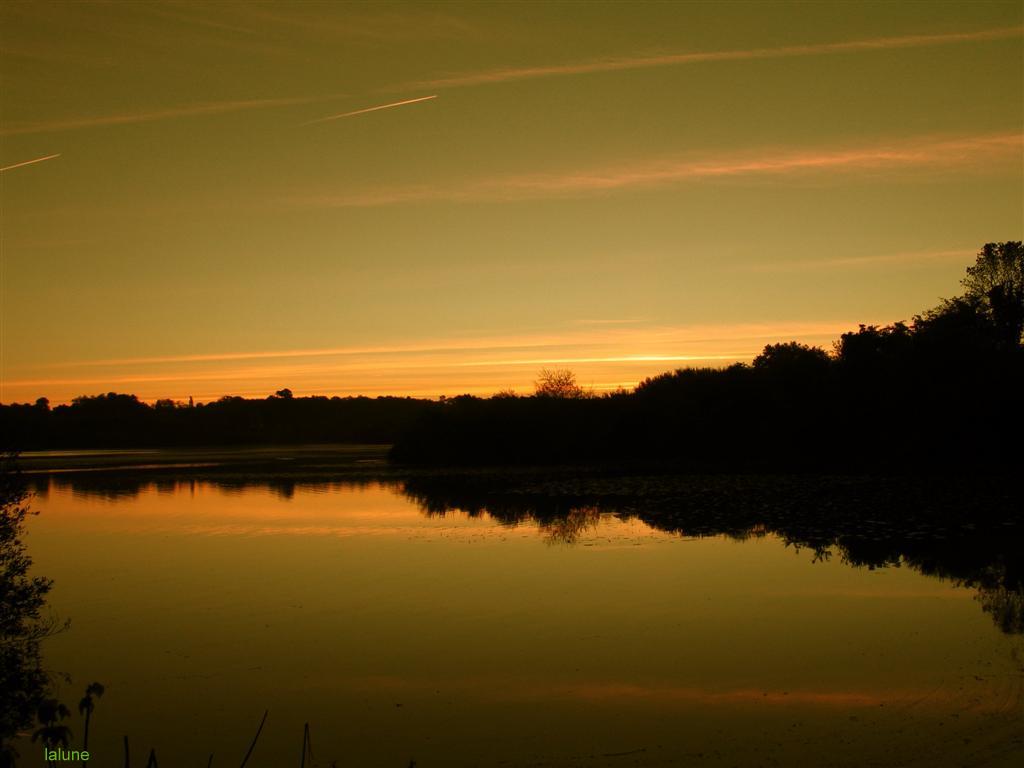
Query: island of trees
<point x="944" y="389"/>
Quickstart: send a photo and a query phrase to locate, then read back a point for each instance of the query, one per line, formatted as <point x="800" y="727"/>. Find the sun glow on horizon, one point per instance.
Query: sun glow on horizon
<point x="603" y="358"/>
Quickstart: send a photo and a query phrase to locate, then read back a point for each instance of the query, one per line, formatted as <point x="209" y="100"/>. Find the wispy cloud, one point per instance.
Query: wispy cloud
<point x="611" y="321"/>
<point x="370" y="109"/>
<point x="917" y="153"/>
<point x="698" y="57"/>
<point x="371" y="24"/>
<point x="129" y="118"/>
<point x="650" y="334"/>
<point x="28" y="162"/>
<point x="957" y="255"/>
<point x="571" y="360"/>
<point x="198" y="16"/>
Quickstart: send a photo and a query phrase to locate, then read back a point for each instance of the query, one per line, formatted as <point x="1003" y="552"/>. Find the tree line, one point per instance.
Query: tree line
<point x="942" y="389"/>
<point x="114" y="420"/>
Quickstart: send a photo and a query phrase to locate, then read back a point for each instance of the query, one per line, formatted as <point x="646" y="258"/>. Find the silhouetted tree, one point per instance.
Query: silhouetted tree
<point x="792" y="359"/>
<point x="955" y="332"/>
<point x="560" y="383"/>
<point x="871" y="349"/>
<point x="86" y="707"/>
<point x="51" y="731"/>
<point x="996" y="280"/>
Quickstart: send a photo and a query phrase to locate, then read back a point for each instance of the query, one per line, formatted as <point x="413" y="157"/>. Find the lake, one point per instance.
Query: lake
<point x="402" y="627"/>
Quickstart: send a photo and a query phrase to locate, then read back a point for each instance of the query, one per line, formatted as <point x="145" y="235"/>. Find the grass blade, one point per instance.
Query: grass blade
<point x="255" y="739"/>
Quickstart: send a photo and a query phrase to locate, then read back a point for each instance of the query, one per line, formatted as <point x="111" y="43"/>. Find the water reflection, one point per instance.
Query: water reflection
<point x="963" y="530"/>
<point x="424" y="616"/>
<point x="119" y="487"/>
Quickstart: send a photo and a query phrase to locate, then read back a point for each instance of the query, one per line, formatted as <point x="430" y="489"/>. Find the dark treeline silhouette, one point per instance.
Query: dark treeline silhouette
<point x="942" y="390"/>
<point x="122" y="421"/>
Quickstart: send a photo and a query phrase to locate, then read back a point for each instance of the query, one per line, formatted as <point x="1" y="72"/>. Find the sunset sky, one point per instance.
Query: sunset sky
<point x="619" y="189"/>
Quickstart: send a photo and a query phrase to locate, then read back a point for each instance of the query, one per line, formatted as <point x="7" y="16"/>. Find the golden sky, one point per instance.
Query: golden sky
<point x="430" y="199"/>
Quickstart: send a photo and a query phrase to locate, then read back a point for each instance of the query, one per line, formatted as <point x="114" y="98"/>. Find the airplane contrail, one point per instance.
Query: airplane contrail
<point x="371" y="109"/>
<point x="28" y="162"/>
<point x="154" y="115"/>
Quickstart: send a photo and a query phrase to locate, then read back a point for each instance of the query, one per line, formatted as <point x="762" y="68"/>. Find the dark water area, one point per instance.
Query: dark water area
<point x="555" y="618"/>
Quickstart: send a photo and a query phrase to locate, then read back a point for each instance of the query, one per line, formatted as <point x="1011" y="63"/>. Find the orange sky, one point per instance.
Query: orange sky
<point x="414" y="198"/>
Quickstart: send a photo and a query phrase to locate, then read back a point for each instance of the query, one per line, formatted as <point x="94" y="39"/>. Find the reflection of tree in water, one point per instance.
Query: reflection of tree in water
<point x="1006" y="606"/>
<point x="963" y="530"/>
<point x="563" y="520"/>
<point x="567" y="529"/>
<point x="1000" y="592"/>
<point x="112" y="486"/>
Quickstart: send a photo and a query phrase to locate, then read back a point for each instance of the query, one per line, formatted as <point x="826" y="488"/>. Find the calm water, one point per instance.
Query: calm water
<point x="458" y="640"/>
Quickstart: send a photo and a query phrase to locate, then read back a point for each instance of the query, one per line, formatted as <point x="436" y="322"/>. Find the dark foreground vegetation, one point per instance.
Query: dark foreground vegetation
<point x="943" y="390"/>
<point x="24" y="624"/>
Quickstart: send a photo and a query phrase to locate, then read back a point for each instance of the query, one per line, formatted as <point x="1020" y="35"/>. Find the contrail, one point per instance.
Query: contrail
<point x="371" y="109"/>
<point x="28" y="162"/>
<point x="132" y="118"/>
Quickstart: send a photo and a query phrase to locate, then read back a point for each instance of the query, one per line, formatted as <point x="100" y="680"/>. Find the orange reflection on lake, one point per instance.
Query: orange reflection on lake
<point x="461" y="640"/>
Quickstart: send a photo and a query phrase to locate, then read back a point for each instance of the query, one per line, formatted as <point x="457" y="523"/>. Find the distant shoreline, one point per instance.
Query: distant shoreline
<point x="323" y="456"/>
